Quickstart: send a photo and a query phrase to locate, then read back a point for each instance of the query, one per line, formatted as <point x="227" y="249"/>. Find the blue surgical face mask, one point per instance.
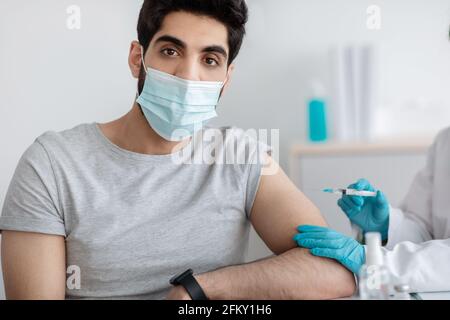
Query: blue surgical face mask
<point x="177" y="108"/>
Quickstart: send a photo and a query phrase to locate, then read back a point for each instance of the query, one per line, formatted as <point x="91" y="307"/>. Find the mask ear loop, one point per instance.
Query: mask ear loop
<point x="221" y="90"/>
<point x="145" y="69"/>
<point x="142" y="59"/>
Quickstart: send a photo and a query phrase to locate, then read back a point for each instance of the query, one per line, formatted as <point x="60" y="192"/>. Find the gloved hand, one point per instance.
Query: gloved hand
<point x="368" y="213"/>
<point x="324" y="242"/>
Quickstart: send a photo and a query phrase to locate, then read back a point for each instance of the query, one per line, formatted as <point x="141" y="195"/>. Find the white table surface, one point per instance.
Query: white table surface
<point x="433" y="296"/>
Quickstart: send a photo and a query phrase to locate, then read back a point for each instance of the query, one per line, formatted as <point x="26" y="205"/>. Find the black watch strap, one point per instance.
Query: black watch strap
<point x="188" y="281"/>
<point x="193" y="288"/>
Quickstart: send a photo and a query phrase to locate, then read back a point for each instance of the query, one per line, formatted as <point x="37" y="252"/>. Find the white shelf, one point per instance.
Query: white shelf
<point x="412" y="145"/>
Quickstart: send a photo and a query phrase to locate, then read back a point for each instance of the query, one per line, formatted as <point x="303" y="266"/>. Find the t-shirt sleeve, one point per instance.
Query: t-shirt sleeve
<point x="257" y="161"/>
<point x="32" y="203"/>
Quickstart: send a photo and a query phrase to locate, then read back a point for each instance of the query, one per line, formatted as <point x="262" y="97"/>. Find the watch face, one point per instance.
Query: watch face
<point x="175" y="280"/>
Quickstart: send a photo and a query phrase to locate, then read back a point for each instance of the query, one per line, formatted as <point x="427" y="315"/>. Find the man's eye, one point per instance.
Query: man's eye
<point x="211" y="62"/>
<point x="170" y="52"/>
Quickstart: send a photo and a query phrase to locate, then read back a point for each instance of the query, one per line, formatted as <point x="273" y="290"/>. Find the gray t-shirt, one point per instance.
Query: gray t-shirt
<point x="130" y="220"/>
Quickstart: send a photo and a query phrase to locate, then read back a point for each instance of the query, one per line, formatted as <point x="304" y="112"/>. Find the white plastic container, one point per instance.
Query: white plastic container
<point x="374" y="276"/>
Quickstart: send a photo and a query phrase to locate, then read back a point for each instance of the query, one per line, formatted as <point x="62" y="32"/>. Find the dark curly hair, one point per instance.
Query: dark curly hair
<point x="232" y="13"/>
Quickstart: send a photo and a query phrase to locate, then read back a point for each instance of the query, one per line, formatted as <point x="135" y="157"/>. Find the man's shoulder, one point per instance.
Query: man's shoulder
<point x="67" y="136"/>
<point x="65" y="141"/>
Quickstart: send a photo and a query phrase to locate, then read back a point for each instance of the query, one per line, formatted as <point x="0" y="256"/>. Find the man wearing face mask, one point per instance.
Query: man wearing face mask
<point x="109" y="200"/>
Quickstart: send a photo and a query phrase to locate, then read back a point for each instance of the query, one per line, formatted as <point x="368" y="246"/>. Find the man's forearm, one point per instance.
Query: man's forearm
<point x="295" y="274"/>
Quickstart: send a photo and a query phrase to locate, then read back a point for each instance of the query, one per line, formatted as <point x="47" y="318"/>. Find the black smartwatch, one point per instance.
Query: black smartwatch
<point x="187" y="280"/>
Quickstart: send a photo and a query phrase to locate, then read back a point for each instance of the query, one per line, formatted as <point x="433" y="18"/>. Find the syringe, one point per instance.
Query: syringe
<point x="351" y="192"/>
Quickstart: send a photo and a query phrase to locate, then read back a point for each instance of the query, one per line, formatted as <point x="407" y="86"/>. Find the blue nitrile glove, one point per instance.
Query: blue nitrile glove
<point x="324" y="242"/>
<point x="368" y="213"/>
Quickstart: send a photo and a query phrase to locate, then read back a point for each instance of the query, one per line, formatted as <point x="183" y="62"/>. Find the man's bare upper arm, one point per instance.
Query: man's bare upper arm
<point x="279" y="207"/>
<point x="34" y="265"/>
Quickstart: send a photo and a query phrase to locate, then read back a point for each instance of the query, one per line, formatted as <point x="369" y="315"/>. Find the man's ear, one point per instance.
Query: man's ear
<point x="228" y="78"/>
<point x="134" y="59"/>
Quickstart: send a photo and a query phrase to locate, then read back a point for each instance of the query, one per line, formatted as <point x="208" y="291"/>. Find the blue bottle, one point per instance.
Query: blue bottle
<point x="317" y="115"/>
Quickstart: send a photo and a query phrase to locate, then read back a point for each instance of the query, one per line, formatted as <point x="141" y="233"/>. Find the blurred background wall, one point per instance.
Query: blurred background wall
<point x="53" y="77"/>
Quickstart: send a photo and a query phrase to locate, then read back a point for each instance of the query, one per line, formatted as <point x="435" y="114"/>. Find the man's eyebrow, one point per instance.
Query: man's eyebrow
<point x="179" y="43"/>
<point x="175" y="41"/>
<point x="216" y="49"/>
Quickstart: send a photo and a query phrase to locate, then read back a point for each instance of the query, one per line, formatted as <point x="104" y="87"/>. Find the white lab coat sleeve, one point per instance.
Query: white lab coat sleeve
<point x="411" y="254"/>
<point x="413" y="221"/>
<point x="404" y="226"/>
<point x="424" y="267"/>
